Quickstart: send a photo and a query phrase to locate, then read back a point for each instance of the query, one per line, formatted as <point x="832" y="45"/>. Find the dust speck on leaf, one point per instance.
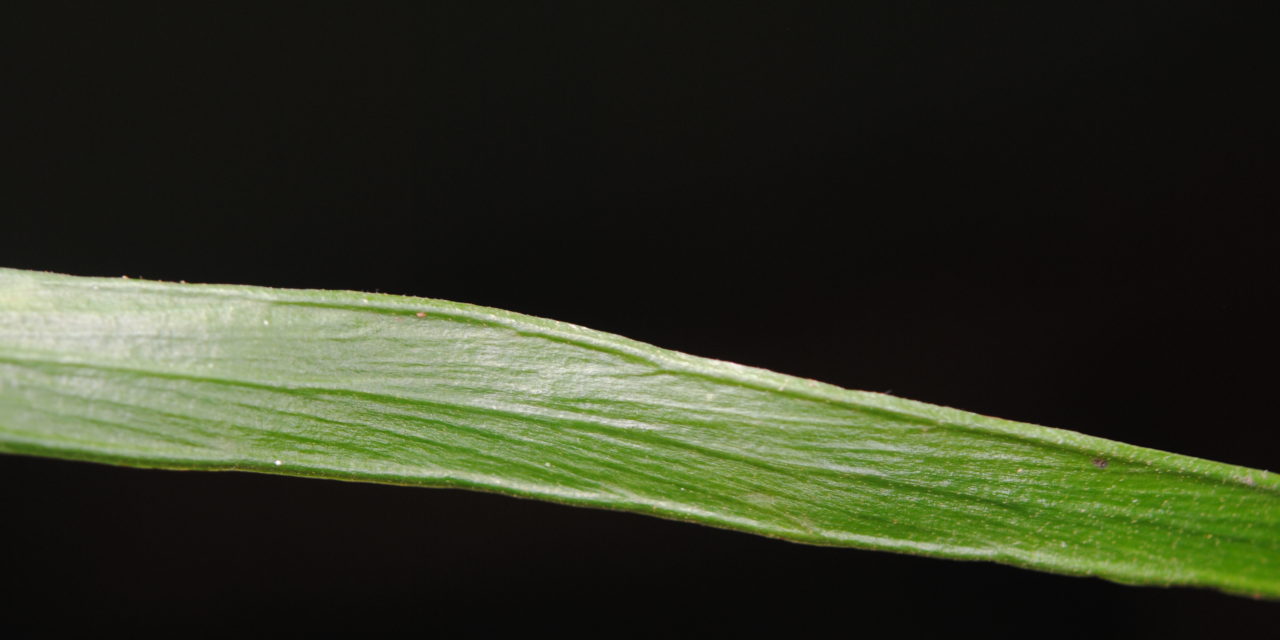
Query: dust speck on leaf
<point x="1100" y="463"/>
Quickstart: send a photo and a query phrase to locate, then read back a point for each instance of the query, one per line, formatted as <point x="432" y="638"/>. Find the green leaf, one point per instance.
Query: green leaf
<point x="383" y="388"/>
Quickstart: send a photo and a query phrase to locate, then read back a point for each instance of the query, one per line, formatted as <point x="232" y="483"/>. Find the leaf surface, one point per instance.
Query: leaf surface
<point x="392" y="389"/>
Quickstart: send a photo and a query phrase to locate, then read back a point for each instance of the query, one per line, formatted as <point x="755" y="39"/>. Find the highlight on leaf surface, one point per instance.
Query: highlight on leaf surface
<point x="412" y="391"/>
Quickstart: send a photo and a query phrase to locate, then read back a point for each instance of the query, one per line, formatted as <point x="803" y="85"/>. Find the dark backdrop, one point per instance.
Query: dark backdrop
<point x="1040" y="211"/>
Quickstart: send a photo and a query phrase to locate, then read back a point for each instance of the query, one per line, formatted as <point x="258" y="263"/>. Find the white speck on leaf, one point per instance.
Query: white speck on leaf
<point x="279" y="462"/>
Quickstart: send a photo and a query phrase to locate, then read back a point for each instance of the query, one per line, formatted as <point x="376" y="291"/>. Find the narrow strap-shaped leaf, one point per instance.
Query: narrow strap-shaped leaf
<point x="383" y="388"/>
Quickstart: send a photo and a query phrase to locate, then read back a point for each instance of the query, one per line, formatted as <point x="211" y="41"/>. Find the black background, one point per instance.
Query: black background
<point x="1042" y="211"/>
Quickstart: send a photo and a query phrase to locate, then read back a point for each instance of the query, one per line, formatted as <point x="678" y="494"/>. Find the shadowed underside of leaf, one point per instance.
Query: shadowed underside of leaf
<point x="412" y="391"/>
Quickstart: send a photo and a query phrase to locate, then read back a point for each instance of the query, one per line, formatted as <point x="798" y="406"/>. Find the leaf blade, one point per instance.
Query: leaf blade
<point x="371" y="387"/>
